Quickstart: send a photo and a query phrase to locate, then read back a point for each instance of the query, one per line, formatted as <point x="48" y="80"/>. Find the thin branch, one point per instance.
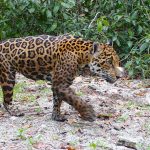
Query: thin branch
<point x="93" y="19"/>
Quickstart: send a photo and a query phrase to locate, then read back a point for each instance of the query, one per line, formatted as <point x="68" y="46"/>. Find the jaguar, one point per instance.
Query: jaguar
<point x="57" y="59"/>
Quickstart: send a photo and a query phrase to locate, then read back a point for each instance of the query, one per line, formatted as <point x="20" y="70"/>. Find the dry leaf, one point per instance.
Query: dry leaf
<point x="104" y="116"/>
<point x="70" y="148"/>
<point x="142" y="93"/>
<point x="71" y="121"/>
<point x="40" y="145"/>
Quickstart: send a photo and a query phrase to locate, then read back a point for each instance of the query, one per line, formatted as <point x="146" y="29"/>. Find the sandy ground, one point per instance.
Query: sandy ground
<point x="122" y="108"/>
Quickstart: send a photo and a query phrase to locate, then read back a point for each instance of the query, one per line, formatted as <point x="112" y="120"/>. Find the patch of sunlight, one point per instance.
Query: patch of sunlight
<point x="18" y="89"/>
<point x="28" y="97"/>
<point x="40" y="82"/>
<point x="46" y="90"/>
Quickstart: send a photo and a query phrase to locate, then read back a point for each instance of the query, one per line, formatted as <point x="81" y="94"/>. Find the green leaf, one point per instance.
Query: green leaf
<point x="130" y="43"/>
<point x="131" y="73"/>
<point x="4" y="20"/>
<point x="3" y="34"/>
<point x="99" y="26"/>
<point x="86" y="10"/>
<point x="93" y="145"/>
<point x="72" y="2"/>
<point x="105" y="22"/>
<point x="31" y="10"/>
<point x="128" y="64"/>
<point x="127" y="19"/>
<point x="21" y="8"/>
<point x="130" y="32"/>
<point x="119" y="17"/>
<point x="118" y="42"/>
<point x="56" y="8"/>
<point x="114" y="38"/>
<point x="138" y="61"/>
<point x="134" y="15"/>
<point x="54" y="26"/>
<point x="140" y="29"/>
<point x="48" y="14"/>
<point x="66" y="5"/>
<point x="43" y="11"/>
<point x="146" y="56"/>
<point x="65" y="16"/>
<point x="134" y="22"/>
<point x="138" y="67"/>
<point x="147" y="40"/>
<point x="143" y="46"/>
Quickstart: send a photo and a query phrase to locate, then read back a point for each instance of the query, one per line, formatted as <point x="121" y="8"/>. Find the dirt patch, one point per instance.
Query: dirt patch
<point x="123" y="117"/>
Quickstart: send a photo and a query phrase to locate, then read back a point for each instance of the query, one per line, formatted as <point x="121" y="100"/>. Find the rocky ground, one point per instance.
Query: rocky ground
<point x="122" y="108"/>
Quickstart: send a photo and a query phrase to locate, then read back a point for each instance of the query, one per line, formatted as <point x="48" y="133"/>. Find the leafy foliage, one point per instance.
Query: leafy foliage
<point x="124" y="22"/>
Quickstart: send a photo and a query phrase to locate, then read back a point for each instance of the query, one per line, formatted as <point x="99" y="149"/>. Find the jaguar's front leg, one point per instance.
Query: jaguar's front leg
<point x="56" y="115"/>
<point x="65" y="93"/>
<point x="63" y="76"/>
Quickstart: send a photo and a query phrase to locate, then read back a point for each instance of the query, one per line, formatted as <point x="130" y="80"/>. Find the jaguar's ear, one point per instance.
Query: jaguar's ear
<point x="96" y="49"/>
<point x="110" y="42"/>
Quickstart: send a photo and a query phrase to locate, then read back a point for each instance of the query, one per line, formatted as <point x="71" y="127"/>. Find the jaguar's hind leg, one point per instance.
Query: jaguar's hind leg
<point x="7" y="84"/>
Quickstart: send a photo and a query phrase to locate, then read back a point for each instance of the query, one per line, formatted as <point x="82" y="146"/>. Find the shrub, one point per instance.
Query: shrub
<point x="126" y="23"/>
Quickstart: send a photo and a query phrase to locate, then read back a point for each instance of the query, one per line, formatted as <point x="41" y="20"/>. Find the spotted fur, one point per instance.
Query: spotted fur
<point x="56" y="59"/>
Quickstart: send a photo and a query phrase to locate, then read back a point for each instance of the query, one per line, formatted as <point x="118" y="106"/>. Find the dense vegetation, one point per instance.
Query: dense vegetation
<point x="125" y="22"/>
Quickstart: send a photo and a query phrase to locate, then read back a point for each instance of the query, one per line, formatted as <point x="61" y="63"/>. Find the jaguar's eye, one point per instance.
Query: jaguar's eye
<point x="109" y="61"/>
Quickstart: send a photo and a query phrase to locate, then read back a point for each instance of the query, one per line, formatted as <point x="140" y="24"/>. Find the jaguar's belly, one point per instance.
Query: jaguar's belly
<point x="36" y="73"/>
<point x="39" y="76"/>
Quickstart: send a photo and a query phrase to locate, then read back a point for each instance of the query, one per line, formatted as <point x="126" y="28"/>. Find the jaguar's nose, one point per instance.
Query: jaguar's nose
<point x="120" y="72"/>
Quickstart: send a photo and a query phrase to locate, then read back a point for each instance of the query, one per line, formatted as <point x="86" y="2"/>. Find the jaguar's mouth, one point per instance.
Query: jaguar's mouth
<point x="119" y="71"/>
<point x="108" y="78"/>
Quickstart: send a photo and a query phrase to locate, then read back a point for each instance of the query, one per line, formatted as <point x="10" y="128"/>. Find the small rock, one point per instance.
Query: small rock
<point x="42" y="127"/>
<point x="13" y="118"/>
<point x="117" y="127"/>
<point x="121" y="148"/>
<point x="78" y="79"/>
<point x="148" y="97"/>
<point x="129" y="142"/>
<point x="113" y="91"/>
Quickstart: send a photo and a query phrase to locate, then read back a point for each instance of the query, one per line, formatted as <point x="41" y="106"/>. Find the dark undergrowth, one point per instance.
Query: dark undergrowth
<point x="125" y="23"/>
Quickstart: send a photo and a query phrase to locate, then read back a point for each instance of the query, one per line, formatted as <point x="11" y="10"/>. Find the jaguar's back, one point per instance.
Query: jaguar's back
<point x="31" y="56"/>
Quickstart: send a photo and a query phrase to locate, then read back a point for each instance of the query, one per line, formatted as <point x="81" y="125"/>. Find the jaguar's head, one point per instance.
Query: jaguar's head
<point x="106" y="63"/>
